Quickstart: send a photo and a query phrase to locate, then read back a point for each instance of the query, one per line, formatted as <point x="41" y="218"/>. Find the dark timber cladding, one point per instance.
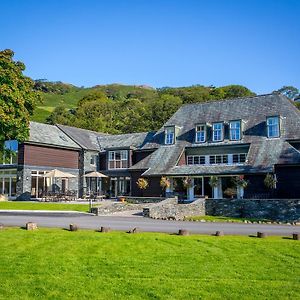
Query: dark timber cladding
<point x="50" y="157"/>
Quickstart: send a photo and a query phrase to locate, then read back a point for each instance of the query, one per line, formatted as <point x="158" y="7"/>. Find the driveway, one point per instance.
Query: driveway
<point x="122" y="223"/>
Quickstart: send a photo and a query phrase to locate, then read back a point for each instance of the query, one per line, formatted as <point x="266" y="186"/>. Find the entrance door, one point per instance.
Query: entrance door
<point x="199" y="187"/>
<point x="113" y="187"/>
<point x="64" y="185"/>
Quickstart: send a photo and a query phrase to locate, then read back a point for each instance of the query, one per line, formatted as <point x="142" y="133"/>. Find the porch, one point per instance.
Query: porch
<point x="216" y="187"/>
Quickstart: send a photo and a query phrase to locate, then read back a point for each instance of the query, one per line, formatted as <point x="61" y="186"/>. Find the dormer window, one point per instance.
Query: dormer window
<point x="235" y="130"/>
<point x="169" y="135"/>
<point x="273" y="129"/>
<point x="218" y="132"/>
<point x="200" y="136"/>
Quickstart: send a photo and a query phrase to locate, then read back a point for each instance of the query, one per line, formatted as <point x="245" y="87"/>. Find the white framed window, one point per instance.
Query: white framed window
<point x="218" y="159"/>
<point x="235" y="130"/>
<point x="239" y="158"/>
<point x="273" y="129"/>
<point x="169" y="135"/>
<point x="200" y="134"/>
<point x="8" y="182"/>
<point x="217" y="132"/>
<point x="196" y="160"/>
<point x="118" y="159"/>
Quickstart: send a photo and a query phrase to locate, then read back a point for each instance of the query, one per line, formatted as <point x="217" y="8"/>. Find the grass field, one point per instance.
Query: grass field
<point x="50" y="101"/>
<point x="22" y="205"/>
<point x="58" y="264"/>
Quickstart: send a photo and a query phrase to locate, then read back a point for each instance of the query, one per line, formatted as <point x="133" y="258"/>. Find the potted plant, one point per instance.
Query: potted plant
<point x="230" y="192"/>
<point x="165" y="183"/>
<point x="213" y="181"/>
<point x="122" y="199"/>
<point x="270" y="181"/>
<point x="240" y="183"/>
<point x="187" y="182"/>
<point x="142" y="183"/>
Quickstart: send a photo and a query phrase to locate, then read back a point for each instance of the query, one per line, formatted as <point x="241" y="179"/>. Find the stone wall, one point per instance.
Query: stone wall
<point x="169" y="209"/>
<point x="115" y="207"/>
<point x="287" y="210"/>
<point x="142" y="200"/>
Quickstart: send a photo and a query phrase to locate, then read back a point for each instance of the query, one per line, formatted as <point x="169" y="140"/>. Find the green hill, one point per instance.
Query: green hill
<point x="72" y="94"/>
<point x="117" y="108"/>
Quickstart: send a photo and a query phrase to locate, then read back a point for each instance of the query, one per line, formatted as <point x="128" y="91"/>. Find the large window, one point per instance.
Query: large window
<point x="218" y="159"/>
<point x="196" y="160"/>
<point x="40" y="184"/>
<point x="8" y="180"/>
<point x="200" y="134"/>
<point x="169" y="135"/>
<point x="273" y="126"/>
<point x="227" y="159"/>
<point x="217" y="132"/>
<point x="118" y="159"/>
<point x="235" y="130"/>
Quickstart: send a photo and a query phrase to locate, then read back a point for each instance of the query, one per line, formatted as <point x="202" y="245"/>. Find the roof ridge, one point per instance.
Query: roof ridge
<point x="96" y="132"/>
<point x="229" y="99"/>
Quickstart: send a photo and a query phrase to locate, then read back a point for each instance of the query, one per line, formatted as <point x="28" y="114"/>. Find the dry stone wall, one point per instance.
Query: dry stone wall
<point x="287" y="210"/>
<point x="170" y="209"/>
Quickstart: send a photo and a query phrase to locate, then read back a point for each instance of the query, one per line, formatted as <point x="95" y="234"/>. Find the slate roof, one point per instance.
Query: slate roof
<point x="97" y="141"/>
<point x="87" y="139"/>
<point x="130" y="140"/>
<point x="49" y="135"/>
<point x="263" y="153"/>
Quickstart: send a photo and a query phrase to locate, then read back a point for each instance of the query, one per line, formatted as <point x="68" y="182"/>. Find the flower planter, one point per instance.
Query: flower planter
<point x="122" y="199"/>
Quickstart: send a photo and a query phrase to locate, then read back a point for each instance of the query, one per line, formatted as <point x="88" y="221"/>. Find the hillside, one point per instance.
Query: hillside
<point x="117" y="108"/>
<point x="70" y="98"/>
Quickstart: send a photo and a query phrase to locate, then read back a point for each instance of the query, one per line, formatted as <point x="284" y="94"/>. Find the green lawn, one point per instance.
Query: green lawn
<point x="22" y="205"/>
<point x="58" y="264"/>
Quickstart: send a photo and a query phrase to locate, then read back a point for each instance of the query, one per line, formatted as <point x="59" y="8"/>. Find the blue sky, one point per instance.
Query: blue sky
<point x="158" y="43"/>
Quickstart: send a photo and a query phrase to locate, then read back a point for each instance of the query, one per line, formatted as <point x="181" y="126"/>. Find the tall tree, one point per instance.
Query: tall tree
<point x="289" y="91"/>
<point x="17" y="99"/>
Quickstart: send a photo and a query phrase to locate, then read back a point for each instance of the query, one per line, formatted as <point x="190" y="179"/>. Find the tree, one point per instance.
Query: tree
<point x="17" y="99"/>
<point x="289" y="91"/>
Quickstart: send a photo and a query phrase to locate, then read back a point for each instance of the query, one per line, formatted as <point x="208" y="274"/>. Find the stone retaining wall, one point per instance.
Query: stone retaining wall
<point x="142" y="200"/>
<point x="115" y="207"/>
<point x="287" y="210"/>
<point x="169" y="209"/>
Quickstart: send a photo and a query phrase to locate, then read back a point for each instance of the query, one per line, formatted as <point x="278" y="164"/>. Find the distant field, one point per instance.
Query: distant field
<point x="58" y="264"/>
<point x="50" y="101"/>
<point x="22" y="205"/>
